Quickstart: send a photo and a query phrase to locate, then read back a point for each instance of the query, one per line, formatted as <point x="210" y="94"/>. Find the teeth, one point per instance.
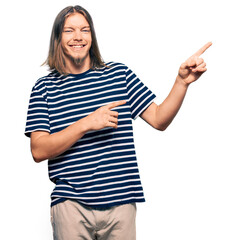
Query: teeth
<point x="80" y="46"/>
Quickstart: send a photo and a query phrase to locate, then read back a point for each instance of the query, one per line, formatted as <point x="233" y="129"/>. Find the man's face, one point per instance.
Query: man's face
<point x="76" y="40"/>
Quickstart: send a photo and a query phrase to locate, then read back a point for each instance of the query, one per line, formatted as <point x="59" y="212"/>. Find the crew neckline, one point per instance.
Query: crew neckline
<point x="80" y="74"/>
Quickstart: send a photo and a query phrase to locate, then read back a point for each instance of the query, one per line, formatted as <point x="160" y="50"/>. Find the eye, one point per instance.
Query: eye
<point x="67" y="30"/>
<point x="85" y="30"/>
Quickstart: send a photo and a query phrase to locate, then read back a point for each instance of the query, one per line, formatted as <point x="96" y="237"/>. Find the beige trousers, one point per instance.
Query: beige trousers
<point x="72" y="221"/>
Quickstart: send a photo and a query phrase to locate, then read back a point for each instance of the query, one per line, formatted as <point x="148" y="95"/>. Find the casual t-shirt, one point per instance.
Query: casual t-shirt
<point x="100" y="169"/>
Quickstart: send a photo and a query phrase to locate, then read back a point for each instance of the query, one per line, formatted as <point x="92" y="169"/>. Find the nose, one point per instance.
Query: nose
<point x="77" y="35"/>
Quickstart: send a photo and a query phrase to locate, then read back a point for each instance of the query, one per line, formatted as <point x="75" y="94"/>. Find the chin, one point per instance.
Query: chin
<point x="77" y="60"/>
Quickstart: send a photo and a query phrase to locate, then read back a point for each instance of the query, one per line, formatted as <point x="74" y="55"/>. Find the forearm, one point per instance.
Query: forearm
<point x="47" y="146"/>
<point x="168" y="109"/>
<point x="160" y="116"/>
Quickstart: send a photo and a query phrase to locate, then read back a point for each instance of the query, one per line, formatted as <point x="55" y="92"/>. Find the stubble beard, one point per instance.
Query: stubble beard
<point x="78" y="61"/>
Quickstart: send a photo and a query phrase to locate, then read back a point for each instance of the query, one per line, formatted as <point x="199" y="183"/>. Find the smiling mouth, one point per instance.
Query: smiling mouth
<point x="77" y="47"/>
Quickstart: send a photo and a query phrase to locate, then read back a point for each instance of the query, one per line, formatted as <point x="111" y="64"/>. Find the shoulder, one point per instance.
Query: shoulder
<point x="116" y="66"/>
<point x="45" y="80"/>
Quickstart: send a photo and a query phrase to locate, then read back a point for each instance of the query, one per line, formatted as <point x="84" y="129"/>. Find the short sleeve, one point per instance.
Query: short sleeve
<point x="140" y="97"/>
<point x="37" y="116"/>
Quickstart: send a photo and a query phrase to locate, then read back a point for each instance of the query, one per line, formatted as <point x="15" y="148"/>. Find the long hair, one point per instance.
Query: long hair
<point x="56" y="56"/>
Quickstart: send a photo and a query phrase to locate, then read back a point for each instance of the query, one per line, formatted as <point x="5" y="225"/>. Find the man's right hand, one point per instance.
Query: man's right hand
<point x="104" y="117"/>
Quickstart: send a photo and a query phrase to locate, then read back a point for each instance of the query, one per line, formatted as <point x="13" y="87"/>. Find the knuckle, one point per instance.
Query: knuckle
<point x="112" y="105"/>
<point x="101" y="109"/>
<point x="200" y="60"/>
<point x="183" y="65"/>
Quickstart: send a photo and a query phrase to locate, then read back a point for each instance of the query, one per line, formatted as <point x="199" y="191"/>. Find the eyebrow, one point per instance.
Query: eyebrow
<point x="76" y="27"/>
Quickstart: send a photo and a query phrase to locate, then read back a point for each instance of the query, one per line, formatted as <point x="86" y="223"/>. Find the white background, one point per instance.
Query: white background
<point x="187" y="171"/>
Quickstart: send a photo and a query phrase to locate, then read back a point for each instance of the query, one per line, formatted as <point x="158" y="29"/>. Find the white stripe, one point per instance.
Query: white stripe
<point x="93" y="156"/>
<point x="101" y="130"/>
<point x="131" y="74"/>
<point x="113" y="201"/>
<point x="97" y="105"/>
<point x="133" y="86"/>
<point x="36" y="114"/>
<point x="89" y="101"/>
<point x="39" y="90"/>
<point x="74" y="160"/>
<point x="35" y="97"/>
<point x="139" y="96"/>
<point x="38" y="102"/>
<point x="48" y="79"/>
<point x="99" y="191"/>
<point x="38" y="129"/>
<point x="37" y="119"/>
<point x="85" y="90"/>
<point x="92" y="181"/>
<point x="90" y="169"/>
<point x="90" y="163"/>
<point x="91" y="175"/>
<point x="106" y="134"/>
<point x="74" y="80"/>
<point x="100" y="142"/>
<point x="36" y="108"/>
<point x="39" y="124"/>
<point x="100" y="203"/>
<point x="99" y="185"/>
<point x="143" y="107"/>
<point x="99" y="197"/>
<point x="82" y="85"/>
<point x="109" y="146"/>
<point x="58" y="170"/>
<point x="56" y="77"/>
<point x="83" y="115"/>
<point x="86" y="96"/>
<point x="141" y="104"/>
<point x="71" y="122"/>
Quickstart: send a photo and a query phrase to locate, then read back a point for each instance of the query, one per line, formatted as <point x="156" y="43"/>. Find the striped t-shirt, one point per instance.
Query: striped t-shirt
<point x="100" y="169"/>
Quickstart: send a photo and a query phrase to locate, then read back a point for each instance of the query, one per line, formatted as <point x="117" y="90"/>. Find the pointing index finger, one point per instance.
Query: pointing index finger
<point x="115" y="104"/>
<point x="203" y="49"/>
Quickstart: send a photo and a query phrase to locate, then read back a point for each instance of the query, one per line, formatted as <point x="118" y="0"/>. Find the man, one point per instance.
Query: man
<point x="80" y="118"/>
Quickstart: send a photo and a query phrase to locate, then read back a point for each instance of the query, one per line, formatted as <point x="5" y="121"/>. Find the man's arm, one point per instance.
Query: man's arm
<point x="160" y="116"/>
<point x="45" y="146"/>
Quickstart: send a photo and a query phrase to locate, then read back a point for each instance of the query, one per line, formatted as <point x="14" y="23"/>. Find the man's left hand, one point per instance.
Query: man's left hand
<point x="193" y="67"/>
